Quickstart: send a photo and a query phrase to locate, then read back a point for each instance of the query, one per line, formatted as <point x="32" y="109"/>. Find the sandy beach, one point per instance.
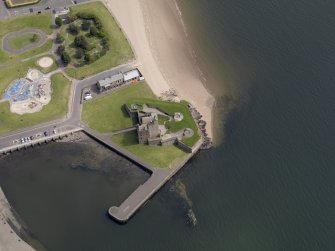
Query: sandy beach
<point x="156" y="33"/>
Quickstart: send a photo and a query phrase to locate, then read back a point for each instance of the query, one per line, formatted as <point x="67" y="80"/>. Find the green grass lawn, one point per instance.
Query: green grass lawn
<point x="119" y="51"/>
<point x="42" y="21"/>
<point x="107" y="114"/>
<point x="22" y="41"/>
<point x="57" y="108"/>
<point x="158" y="156"/>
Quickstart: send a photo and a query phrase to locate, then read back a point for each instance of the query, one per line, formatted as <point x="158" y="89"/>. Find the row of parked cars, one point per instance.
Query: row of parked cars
<point x="30" y="138"/>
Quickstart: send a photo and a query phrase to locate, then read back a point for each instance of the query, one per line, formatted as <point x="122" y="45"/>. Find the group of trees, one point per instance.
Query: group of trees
<point x="94" y="28"/>
<point x="63" y="54"/>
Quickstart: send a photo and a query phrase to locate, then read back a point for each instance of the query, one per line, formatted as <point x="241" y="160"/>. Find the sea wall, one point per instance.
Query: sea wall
<point x="9" y="227"/>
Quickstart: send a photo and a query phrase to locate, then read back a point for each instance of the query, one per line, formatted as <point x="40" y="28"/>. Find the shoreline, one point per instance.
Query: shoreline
<point x="162" y="49"/>
<point x="9" y="239"/>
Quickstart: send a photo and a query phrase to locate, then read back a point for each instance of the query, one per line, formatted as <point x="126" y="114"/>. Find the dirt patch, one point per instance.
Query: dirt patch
<point x="45" y="62"/>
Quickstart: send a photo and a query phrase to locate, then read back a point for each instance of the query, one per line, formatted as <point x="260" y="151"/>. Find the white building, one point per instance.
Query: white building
<point x="131" y="76"/>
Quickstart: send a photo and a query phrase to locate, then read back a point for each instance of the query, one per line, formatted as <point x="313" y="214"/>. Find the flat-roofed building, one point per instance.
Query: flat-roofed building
<point x="131" y="76"/>
<point x="111" y="82"/>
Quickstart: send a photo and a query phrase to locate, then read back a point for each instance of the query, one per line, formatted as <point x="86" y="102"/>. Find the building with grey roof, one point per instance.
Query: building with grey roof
<point x="111" y="82"/>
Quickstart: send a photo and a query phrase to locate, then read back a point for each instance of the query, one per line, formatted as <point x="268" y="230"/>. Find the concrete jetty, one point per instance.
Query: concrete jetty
<point x="159" y="176"/>
<point x="145" y="191"/>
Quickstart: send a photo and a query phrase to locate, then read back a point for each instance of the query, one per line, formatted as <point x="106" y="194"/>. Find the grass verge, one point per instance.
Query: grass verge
<point x="57" y="108"/>
<point x="162" y="157"/>
<point x="119" y="51"/>
<point x="107" y="114"/>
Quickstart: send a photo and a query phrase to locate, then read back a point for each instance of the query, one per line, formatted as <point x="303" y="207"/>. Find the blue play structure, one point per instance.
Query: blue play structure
<point x="18" y="91"/>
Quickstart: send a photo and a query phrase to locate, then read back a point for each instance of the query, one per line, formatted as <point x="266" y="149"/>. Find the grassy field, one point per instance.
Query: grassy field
<point x="119" y="51"/>
<point x="57" y="108"/>
<point x="41" y="21"/>
<point x="162" y="157"/>
<point x="22" y="41"/>
<point x="107" y="113"/>
<point x="12" y="72"/>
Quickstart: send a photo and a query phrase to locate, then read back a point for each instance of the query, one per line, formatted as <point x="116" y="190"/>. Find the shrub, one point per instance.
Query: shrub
<point x="34" y="38"/>
<point x="81" y="42"/>
<point x="79" y="53"/>
<point x="65" y="58"/>
<point x="60" y="49"/>
<point x="85" y="25"/>
<point x="59" y="38"/>
<point x="73" y="29"/>
<point x="88" y="58"/>
<point x="85" y="15"/>
<point x="72" y="18"/>
<point x="58" y="21"/>
<point x="93" y="31"/>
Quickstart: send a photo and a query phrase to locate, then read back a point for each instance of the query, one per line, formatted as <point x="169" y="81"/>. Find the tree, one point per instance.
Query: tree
<point x="81" y="42"/>
<point x="65" y="58"/>
<point x="59" y="21"/>
<point x="104" y="41"/>
<point x="88" y="58"/>
<point x="34" y="38"/>
<point x="85" y="25"/>
<point x="73" y="29"/>
<point x="79" y="53"/>
<point x="60" y="49"/>
<point x="59" y="38"/>
<point x="93" y="31"/>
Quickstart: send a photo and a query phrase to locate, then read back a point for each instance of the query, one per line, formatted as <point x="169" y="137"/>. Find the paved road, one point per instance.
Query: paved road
<point x="6" y="40"/>
<point x="72" y="119"/>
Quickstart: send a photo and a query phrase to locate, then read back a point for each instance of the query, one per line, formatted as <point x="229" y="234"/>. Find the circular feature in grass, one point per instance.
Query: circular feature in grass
<point x="45" y="62"/>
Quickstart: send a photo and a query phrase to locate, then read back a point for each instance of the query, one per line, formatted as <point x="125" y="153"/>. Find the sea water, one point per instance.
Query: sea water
<point x="268" y="186"/>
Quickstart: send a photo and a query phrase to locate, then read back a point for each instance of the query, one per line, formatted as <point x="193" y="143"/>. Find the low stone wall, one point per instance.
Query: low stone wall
<point x="184" y="147"/>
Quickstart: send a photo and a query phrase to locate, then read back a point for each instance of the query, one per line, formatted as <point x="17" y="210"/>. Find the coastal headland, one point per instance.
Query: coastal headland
<point x="163" y="55"/>
<point x="159" y="40"/>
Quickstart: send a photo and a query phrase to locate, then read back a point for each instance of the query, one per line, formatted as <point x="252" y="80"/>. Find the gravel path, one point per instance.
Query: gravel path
<point x="9" y="36"/>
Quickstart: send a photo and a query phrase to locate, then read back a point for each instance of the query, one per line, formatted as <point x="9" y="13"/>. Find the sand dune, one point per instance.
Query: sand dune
<point x="155" y="31"/>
